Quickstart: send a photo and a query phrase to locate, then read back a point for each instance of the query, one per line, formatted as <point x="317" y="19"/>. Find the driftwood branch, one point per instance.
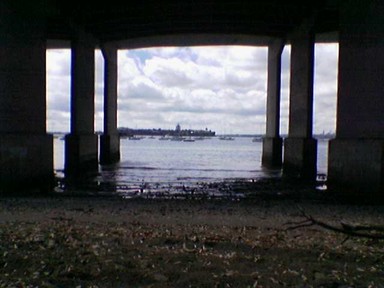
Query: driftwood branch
<point x="370" y="232"/>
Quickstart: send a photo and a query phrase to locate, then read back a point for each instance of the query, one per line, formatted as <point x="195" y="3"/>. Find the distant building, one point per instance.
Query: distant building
<point x="178" y="128"/>
<point x="129" y="132"/>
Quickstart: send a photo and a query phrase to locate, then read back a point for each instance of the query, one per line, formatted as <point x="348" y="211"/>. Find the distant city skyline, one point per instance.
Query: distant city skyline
<point x="222" y="88"/>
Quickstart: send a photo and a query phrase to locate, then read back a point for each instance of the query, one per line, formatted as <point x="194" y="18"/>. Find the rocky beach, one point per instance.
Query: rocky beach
<point x="67" y="240"/>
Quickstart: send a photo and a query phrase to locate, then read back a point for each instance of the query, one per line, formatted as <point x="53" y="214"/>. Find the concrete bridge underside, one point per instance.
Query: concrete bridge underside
<point x="356" y="155"/>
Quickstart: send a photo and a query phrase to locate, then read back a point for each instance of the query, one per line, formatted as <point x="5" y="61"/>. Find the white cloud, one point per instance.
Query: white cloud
<point x="284" y="90"/>
<point x="325" y="87"/>
<point x="58" y="62"/>
<point x="128" y="65"/>
<point x="222" y="88"/>
<point x="172" y="72"/>
<point x="183" y="80"/>
<point x="58" y="89"/>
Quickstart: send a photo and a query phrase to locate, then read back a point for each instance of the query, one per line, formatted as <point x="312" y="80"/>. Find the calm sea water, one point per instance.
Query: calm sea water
<point x="151" y="164"/>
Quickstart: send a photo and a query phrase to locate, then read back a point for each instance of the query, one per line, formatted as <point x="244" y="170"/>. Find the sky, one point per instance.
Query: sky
<point x="222" y="88"/>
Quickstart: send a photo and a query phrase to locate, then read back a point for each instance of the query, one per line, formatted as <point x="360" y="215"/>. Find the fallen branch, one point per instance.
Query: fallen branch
<point x="369" y="232"/>
<point x="352" y="227"/>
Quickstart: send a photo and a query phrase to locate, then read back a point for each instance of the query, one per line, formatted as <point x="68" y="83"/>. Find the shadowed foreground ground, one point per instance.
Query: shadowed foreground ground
<point x="66" y="241"/>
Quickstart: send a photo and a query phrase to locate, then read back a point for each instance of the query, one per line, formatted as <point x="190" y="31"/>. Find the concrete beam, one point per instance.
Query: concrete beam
<point x="272" y="143"/>
<point x="273" y="88"/>
<point x="272" y="152"/>
<point x="301" y="87"/>
<point x="22" y="74"/>
<point x="82" y="85"/>
<point x="110" y="88"/>
<point x="58" y="44"/>
<point x="81" y="155"/>
<point x="356" y="167"/>
<point x="109" y="141"/>
<point x="356" y="155"/>
<point x="360" y="89"/>
<point x="183" y="40"/>
<point x="300" y="149"/>
<point x="109" y="149"/>
<point x="81" y="147"/>
<point x="193" y="39"/>
<point x="300" y="158"/>
<point x="26" y="151"/>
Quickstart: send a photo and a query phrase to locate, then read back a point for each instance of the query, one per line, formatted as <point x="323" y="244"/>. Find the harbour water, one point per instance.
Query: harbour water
<point x="153" y="166"/>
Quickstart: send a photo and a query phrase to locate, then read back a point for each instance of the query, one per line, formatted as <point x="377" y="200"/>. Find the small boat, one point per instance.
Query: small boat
<point x="257" y="139"/>
<point x="135" y="138"/>
<point x="200" y="138"/>
<point x="177" y="138"/>
<point x="189" y="139"/>
<point x="227" y="138"/>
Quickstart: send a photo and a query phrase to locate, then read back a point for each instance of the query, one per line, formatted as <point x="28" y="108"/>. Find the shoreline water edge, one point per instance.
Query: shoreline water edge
<point x="205" y="168"/>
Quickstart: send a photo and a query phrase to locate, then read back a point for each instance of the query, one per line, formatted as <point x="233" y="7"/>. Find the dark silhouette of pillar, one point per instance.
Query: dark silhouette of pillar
<point x="109" y="141"/>
<point x="356" y="155"/>
<point x="272" y="142"/>
<point x="300" y="149"/>
<point x="81" y="145"/>
<point x="26" y="151"/>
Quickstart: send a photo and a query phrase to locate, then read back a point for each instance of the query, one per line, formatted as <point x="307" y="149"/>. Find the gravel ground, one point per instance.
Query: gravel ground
<point x="90" y="241"/>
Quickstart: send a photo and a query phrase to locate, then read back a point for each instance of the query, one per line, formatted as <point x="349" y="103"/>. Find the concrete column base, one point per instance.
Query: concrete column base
<point x="272" y="152"/>
<point x="81" y="153"/>
<point x="357" y="166"/>
<point x="26" y="162"/>
<point x="300" y="158"/>
<point x="109" y="149"/>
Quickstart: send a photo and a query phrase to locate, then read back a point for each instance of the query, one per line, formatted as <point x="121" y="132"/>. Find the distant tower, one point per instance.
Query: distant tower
<point x="178" y="128"/>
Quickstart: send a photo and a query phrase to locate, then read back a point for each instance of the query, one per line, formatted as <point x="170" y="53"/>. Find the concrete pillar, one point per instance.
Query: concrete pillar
<point x="26" y="151"/>
<point x="356" y="155"/>
<point x="109" y="141"/>
<point x="81" y="145"/>
<point x="273" y="143"/>
<point x="300" y="149"/>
